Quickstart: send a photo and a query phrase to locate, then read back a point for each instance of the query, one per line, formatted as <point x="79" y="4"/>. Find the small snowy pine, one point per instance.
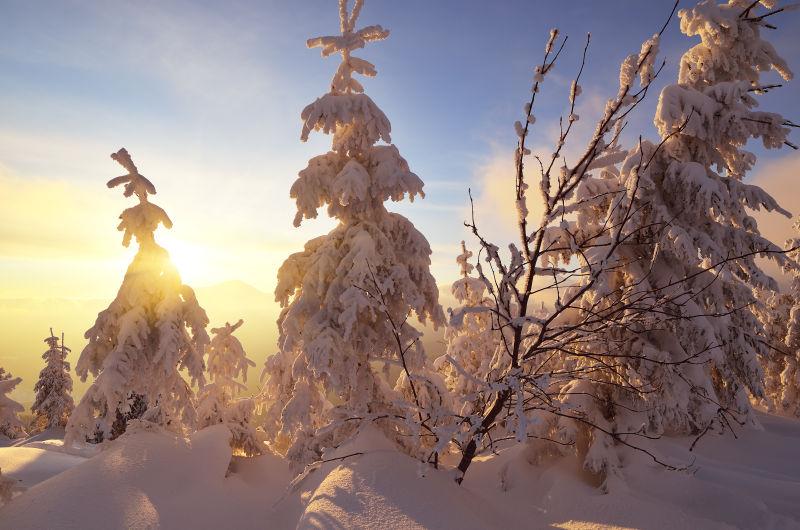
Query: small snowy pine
<point x="218" y="400"/>
<point x="54" y="404"/>
<point x="472" y="354"/>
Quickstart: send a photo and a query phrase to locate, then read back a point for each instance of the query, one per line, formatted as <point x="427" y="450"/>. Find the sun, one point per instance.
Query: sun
<point x="192" y="261"/>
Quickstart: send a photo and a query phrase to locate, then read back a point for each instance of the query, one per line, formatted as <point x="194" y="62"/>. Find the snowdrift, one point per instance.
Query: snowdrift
<point x="30" y="465"/>
<point x="154" y="480"/>
<point x="749" y="482"/>
<point x="150" y="479"/>
<point x="382" y="488"/>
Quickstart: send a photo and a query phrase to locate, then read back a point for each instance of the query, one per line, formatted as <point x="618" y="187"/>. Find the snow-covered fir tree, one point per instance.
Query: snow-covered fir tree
<point x="346" y="298"/>
<point x="473" y="354"/>
<point x="688" y="358"/>
<point x="782" y="371"/>
<point x="10" y="424"/>
<point x="692" y="363"/>
<point x="53" y="404"/>
<point x="695" y="187"/>
<point x="219" y="401"/>
<point x="153" y="330"/>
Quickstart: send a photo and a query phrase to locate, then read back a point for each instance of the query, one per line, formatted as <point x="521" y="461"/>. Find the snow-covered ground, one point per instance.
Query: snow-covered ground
<point x="148" y="479"/>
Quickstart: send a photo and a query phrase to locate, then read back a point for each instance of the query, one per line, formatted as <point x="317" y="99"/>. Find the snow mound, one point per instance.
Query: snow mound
<point x="749" y="482"/>
<point x="52" y="439"/>
<point x="49" y="434"/>
<point x="30" y="466"/>
<point x="150" y="479"/>
<point x="383" y="488"/>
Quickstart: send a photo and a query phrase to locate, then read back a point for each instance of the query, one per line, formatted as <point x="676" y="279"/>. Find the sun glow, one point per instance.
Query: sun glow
<point x="194" y="262"/>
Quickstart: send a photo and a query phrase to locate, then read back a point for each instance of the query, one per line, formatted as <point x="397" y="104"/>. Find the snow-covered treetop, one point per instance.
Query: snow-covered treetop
<point x="226" y="332"/>
<point x="355" y="120"/>
<point x="350" y="40"/>
<point x="141" y="220"/>
<point x="357" y="176"/>
<point x="710" y="111"/>
<point x="732" y="28"/>
<point x="135" y="183"/>
<point x="54" y="346"/>
<point x="463" y="260"/>
<point x="56" y="350"/>
<point x="52" y="342"/>
<point x="467" y="290"/>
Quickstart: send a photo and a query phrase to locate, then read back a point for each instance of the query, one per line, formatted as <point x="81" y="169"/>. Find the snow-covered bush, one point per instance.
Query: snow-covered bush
<point x="153" y="330"/>
<point x="473" y="354"/>
<point x="10" y="424"/>
<point x="53" y="404"/>
<point x="649" y="254"/>
<point x="218" y="401"/>
<point x="347" y="297"/>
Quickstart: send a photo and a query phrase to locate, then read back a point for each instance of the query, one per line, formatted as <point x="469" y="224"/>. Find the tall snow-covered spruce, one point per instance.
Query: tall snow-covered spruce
<point x="152" y="330"/>
<point x="344" y="330"/>
<point x="693" y="187"/>
<point x="690" y="359"/>
<point x="53" y="405"/>
<point x="218" y="401"/>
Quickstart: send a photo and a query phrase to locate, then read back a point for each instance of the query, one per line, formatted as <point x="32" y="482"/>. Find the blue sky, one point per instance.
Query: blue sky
<point x="207" y="96"/>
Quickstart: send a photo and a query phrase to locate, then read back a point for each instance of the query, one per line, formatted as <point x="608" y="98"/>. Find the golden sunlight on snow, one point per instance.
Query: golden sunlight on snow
<point x="588" y="525"/>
